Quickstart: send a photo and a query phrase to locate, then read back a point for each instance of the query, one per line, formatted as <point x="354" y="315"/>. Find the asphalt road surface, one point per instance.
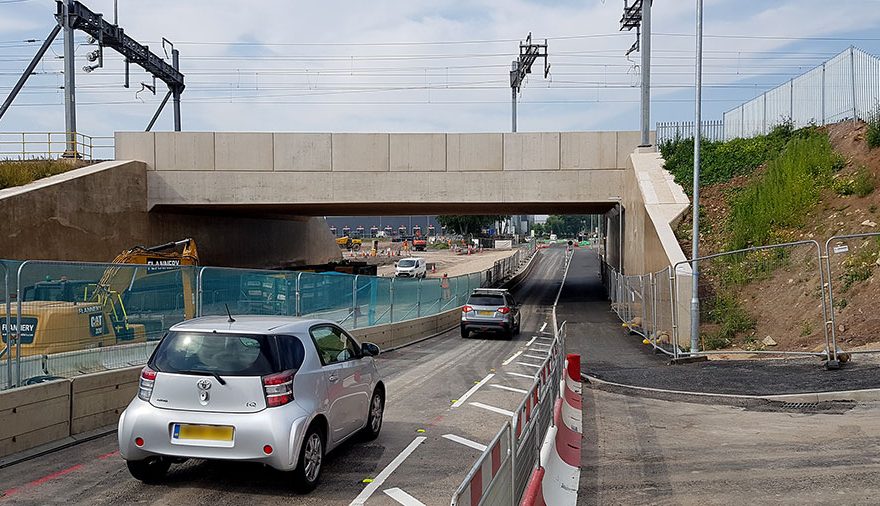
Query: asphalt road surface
<point x="423" y="382"/>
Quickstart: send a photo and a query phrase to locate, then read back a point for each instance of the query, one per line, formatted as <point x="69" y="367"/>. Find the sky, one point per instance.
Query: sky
<point x="422" y="66"/>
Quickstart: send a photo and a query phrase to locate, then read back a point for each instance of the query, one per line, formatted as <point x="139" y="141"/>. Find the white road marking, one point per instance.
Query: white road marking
<point x="505" y="387"/>
<point x="543" y="327"/>
<point x="473" y="389"/>
<point x="365" y="494"/>
<point x="492" y="408"/>
<point x="530" y="365"/>
<point x="530" y="341"/>
<point x="539" y="357"/>
<point x="509" y="360"/>
<point x="545" y="337"/>
<point x="521" y="375"/>
<point x="467" y="442"/>
<point x="402" y="497"/>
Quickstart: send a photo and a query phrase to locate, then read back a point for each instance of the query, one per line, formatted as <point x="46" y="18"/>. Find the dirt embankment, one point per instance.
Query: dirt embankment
<point x="785" y="301"/>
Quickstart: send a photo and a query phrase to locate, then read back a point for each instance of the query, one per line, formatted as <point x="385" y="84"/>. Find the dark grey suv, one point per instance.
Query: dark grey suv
<point x="490" y="309"/>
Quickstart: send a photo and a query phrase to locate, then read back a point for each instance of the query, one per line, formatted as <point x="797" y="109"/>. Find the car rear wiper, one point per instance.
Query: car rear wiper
<point x="205" y="373"/>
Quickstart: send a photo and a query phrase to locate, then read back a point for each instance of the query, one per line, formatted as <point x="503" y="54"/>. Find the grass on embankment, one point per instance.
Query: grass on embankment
<point x="17" y="173"/>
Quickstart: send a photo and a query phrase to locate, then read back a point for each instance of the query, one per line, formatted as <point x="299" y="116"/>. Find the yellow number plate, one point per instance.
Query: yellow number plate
<point x="202" y="432"/>
<point x="485" y="313"/>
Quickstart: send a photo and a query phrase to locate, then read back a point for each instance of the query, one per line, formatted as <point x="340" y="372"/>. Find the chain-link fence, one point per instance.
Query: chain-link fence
<point x="61" y="319"/>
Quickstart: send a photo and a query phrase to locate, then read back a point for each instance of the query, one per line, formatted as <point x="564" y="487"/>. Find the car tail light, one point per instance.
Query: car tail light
<point x="466" y="309"/>
<point x="278" y="388"/>
<point x="145" y="388"/>
<point x="503" y="310"/>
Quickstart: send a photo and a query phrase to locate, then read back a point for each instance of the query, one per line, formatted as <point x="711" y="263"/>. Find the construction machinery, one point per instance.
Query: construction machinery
<point x="346" y="242"/>
<point x="68" y="315"/>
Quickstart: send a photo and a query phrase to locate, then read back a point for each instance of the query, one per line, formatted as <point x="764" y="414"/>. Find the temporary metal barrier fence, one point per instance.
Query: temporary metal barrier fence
<point x="645" y="305"/>
<point x="525" y="433"/>
<point x="863" y="260"/>
<point x="66" y="316"/>
<point x="846" y="86"/>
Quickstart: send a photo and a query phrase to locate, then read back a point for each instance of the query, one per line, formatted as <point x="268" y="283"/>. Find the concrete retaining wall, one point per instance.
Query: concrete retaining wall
<point x="34" y="415"/>
<point x="94" y="213"/>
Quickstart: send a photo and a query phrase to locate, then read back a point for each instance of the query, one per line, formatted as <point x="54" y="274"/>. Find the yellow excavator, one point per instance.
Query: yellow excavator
<point x="68" y="315"/>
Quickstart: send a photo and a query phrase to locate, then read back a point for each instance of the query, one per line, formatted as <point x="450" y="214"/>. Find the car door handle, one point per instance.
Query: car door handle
<point x="333" y="378"/>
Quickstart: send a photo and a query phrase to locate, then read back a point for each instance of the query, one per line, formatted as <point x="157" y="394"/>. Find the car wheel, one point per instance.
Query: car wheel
<point x="374" y="419"/>
<point x="311" y="459"/>
<point x="149" y="470"/>
<point x="465" y="333"/>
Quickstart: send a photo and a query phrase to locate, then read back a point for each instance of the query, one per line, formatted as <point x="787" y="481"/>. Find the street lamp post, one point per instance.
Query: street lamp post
<point x="695" y="253"/>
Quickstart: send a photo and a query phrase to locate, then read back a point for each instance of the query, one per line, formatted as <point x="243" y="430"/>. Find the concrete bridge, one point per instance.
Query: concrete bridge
<point x="252" y="199"/>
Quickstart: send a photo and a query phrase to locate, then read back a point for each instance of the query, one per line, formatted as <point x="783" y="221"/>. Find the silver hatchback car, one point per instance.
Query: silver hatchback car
<point x="281" y="391"/>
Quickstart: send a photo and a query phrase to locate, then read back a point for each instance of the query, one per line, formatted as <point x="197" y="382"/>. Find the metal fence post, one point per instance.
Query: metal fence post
<point x="8" y="328"/>
<point x="298" y="296"/>
<point x="355" y="309"/>
<point x="18" y="325"/>
<point x="419" y="298"/>
<point x="852" y="73"/>
<point x="673" y="295"/>
<point x="200" y="295"/>
<point x="391" y="301"/>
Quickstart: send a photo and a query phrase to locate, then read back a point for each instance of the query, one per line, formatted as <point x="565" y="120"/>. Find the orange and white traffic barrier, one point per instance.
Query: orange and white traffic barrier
<point x="573" y="372"/>
<point x="479" y="483"/>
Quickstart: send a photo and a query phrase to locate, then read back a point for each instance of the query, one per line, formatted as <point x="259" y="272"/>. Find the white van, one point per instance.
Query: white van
<point x="414" y="267"/>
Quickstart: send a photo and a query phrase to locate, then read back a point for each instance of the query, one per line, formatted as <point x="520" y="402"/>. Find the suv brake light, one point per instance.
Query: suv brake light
<point x="466" y="309"/>
<point x="278" y="388"/>
<point x="145" y="387"/>
<point x="504" y="310"/>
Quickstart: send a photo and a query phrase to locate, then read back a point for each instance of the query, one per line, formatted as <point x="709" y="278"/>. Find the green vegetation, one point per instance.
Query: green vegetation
<point x="861" y="183"/>
<point x="15" y="173"/>
<point x="726" y="311"/>
<point x="467" y="224"/>
<point x="781" y="196"/>
<point x="721" y="161"/>
<point x="873" y="136"/>
<point x="860" y="265"/>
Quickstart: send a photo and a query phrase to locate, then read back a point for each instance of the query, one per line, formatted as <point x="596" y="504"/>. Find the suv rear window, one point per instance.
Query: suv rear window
<point x="226" y="354"/>
<point x="486" y="300"/>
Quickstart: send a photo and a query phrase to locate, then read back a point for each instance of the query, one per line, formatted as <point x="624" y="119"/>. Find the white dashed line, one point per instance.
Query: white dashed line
<point x="511" y="389"/>
<point x="492" y="408"/>
<point x="530" y="365"/>
<point x="509" y="360"/>
<point x="543" y="327"/>
<point x="402" y="497"/>
<point x="473" y="389"/>
<point x="377" y="482"/>
<point x="539" y="357"/>
<point x="521" y="375"/>
<point x="467" y="442"/>
<point x="532" y="340"/>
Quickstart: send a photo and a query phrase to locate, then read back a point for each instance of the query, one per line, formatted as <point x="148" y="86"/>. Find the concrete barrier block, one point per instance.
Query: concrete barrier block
<point x="98" y="399"/>
<point x="74" y="362"/>
<point x="360" y="152"/>
<point x="474" y="152"/>
<point x="247" y="151"/>
<point x="627" y="142"/>
<point x="302" y="152"/>
<point x="418" y="152"/>
<point x="531" y="151"/>
<point x="184" y="151"/>
<point x="34" y="415"/>
<point x="139" y="146"/>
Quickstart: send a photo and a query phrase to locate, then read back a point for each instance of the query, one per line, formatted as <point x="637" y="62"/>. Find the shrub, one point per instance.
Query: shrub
<point x="726" y="310"/>
<point x="17" y="173"/>
<point x="861" y="183"/>
<point x="873" y="135"/>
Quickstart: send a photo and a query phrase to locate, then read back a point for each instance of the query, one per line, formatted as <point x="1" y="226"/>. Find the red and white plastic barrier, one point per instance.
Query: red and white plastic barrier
<point x="559" y="469"/>
<point x="479" y="483"/>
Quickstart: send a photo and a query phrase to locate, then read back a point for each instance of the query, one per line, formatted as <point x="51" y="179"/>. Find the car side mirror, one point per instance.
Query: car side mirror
<point x="370" y="349"/>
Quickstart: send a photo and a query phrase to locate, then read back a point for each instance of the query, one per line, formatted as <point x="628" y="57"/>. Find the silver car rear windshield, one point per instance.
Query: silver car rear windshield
<point x="227" y="354"/>
<point x="486" y="300"/>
